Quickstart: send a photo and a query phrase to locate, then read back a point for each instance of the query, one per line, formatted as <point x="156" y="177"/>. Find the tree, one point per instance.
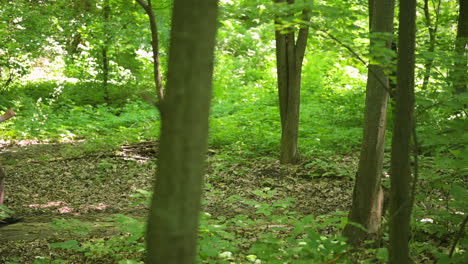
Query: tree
<point x="104" y="49"/>
<point x="400" y="171"/>
<point x="461" y="46"/>
<point x="173" y="221"/>
<point x="21" y="38"/>
<point x="101" y="39"/>
<point x="289" y="56"/>
<point x="368" y="194"/>
<point x="155" y="46"/>
<point x="432" y="27"/>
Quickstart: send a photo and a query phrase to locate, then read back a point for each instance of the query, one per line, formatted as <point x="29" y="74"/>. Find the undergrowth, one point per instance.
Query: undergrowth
<point x="245" y="124"/>
<point x="274" y="233"/>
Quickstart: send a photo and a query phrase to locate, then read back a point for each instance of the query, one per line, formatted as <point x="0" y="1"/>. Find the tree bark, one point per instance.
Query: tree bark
<point x="289" y="57"/>
<point x="105" y="48"/>
<point x="400" y="196"/>
<point x="155" y="46"/>
<point x="368" y="199"/>
<point x="173" y="221"/>
<point x="461" y="47"/>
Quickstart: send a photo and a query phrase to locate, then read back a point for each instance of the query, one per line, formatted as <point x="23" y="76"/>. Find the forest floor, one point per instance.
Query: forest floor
<point x="66" y="180"/>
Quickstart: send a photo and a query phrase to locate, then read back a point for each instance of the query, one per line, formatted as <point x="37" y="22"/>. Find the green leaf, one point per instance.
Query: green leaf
<point x="129" y="261"/>
<point x="382" y="254"/>
<point x="444" y="260"/>
<point x="458" y="192"/>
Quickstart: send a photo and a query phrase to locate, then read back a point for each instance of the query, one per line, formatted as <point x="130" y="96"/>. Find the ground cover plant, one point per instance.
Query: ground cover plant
<point x="89" y="142"/>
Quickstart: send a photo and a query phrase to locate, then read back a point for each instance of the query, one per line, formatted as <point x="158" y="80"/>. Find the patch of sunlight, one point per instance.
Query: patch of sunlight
<point x="427" y="220"/>
<point x="65" y="210"/>
<point x="144" y="54"/>
<point x="46" y="205"/>
<point x="27" y="142"/>
<point x="354" y="73"/>
<point x="45" y="70"/>
<point x="67" y="136"/>
<point x="99" y="207"/>
<point x="135" y="157"/>
<point x="62" y="207"/>
<point x="227" y="2"/>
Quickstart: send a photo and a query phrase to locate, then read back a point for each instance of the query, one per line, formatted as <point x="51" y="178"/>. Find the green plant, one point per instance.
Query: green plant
<point x="5" y="212"/>
<point x="121" y="248"/>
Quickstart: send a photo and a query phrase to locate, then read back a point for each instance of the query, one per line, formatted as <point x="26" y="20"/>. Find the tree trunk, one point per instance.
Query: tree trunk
<point x="289" y="56"/>
<point x="155" y="46"/>
<point x="400" y="197"/>
<point x="432" y="28"/>
<point x="2" y="186"/>
<point x="105" y="48"/>
<point x="105" y="73"/>
<point x="461" y="47"/>
<point x="173" y="221"/>
<point x="368" y="195"/>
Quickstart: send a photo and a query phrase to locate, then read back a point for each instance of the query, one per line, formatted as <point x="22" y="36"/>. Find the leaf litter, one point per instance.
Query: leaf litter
<point x="47" y="181"/>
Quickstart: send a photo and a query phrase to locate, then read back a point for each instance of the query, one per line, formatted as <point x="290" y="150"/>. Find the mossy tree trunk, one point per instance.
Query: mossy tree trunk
<point x="289" y="56"/>
<point x="400" y="194"/>
<point x="368" y="195"/>
<point x="173" y="221"/>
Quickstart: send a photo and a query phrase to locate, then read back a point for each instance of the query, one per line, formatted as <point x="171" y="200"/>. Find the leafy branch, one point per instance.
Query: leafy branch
<point x="355" y="55"/>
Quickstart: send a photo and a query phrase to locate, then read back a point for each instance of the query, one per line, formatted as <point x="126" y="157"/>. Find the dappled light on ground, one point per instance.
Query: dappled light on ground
<point x="49" y="204"/>
<point x="141" y="152"/>
<point x="27" y="142"/>
<point x="63" y="209"/>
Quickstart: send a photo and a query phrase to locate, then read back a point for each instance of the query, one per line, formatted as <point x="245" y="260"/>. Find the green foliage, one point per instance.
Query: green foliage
<point x="5" y="212"/>
<point x="21" y="38"/>
<point x="57" y="120"/>
<point x="286" y="236"/>
<point x="79" y="93"/>
<point x="118" y="248"/>
<point x="71" y="226"/>
<point x="142" y="197"/>
<point x="55" y="48"/>
<point x="69" y="244"/>
<point x="323" y="168"/>
<point x="279" y="235"/>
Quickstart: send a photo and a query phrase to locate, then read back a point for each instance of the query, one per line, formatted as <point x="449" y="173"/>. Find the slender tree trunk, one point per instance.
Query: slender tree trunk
<point x="155" y="45"/>
<point x="173" y="221"/>
<point x="432" y="28"/>
<point x="289" y="57"/>
<point x="400" y="197"/>
<point x="105" y="48"/>
<point x="2" y="186"/>
<point x="105" y="73"/>
<point x="368" y="195"/>
<point x="460" y="79"/>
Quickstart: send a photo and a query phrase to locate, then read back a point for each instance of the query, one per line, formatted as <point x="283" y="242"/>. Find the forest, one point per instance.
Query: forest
<point x="233" y="131"/>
